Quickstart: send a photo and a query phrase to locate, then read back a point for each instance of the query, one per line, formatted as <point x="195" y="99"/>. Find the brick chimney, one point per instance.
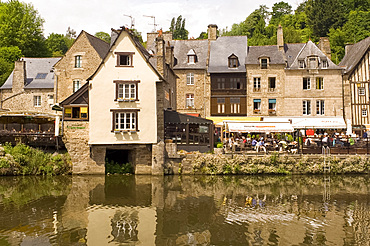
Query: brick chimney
<point x="19" y="76"/>
<point x="161" y="58"/>
<point x="324" y="46"/>
<point x="280" y="38"/>
<point x="212" y="32"/>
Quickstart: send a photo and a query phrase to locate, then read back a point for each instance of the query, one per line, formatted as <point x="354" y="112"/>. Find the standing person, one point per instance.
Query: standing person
<point x="254" y="143"/>
<point x="261" y="145"/>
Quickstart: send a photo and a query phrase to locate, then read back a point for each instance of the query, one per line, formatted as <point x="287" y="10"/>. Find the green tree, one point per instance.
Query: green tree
<point x="8" y="55"/>
<point x="279" y="10"/>
<point x="21" y="26"/>
<point x="323" y="15"/>
<point x="203" y="35"/>
<point x="103" y="36"/>
<point x="178" y="28"/>
<point x="57" y="44"/>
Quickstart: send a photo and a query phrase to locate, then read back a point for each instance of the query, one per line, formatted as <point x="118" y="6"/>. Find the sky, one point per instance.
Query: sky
<point x="101" y="15"/>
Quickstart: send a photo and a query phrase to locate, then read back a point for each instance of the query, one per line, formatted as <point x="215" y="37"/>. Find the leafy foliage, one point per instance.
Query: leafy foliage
<point x="178" y="28"/>
<point x="103" y="36"/>
<point x="112" y="167"/>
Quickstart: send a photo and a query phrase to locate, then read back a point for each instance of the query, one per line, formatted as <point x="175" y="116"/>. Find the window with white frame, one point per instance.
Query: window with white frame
<point x="325" y="64"/>
<point x="320" y="107"/>
<point x="235" y="105"/>
<point x="126" y="90"/>
<point x="190" y="100"/>
<point x="221" y="105"/>
<point x="76" y="85"/>
<point x="233" y="61"/>
<point x="319" y="83"/>
<point x="78" y="61"/>
<point x="124" y="121"/>
<point x="313" y="62"/>
<point x="306" y="83"/>
<point x="256" y="105"/>
<point x="256" y="84"/>
<point x="364" y="112"/>
<point x="306" y="107"/>
<point x="37" y="101"/>
<point x="301" y="64"/>
<point x="190" y="79"/>
<point x="191" y="57"/>
<point x="361" y="91"/>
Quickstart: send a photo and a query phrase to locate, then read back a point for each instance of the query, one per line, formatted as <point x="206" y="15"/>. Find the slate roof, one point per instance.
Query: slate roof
<point x="224" y="47"/>
<point x="291" y="51"/>
<point x="181" y="49"/>
<point x="36" y="66"/>
<point x="99" y="45"/>
<point x="310" y="49"/>
<point x="271" y="51"/>
<point x="354" y="54"/>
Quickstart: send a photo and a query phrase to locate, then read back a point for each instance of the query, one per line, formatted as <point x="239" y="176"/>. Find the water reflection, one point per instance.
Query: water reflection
<point x="185" y="210"/>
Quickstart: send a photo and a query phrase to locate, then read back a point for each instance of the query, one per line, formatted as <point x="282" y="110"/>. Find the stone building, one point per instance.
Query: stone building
<point x="356" y="81"/>
<point x="30" y="87"/>
<point x="78" y="64"/>
<point x="124" y="119"/>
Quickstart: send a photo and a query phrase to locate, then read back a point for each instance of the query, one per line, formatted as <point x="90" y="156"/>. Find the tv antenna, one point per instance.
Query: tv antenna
<point x="132" y="21"/>
<point x="154" y="24"/>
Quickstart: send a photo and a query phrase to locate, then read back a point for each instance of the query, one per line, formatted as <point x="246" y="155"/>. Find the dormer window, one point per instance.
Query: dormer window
<point x="313" y="62"/>
<point x="124" y="59"/>
<point x="301" y="64"/>
<point x="325" y="64"/>
<point x="264" y="63"/>
<point x="192" y="58"/>
<point x="233" y="61"/>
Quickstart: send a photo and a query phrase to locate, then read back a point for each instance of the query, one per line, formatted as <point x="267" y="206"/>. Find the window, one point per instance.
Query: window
<point x="190" y="100"/>
<point x="272" y="83"/>
<point x="325" y="64"/>
<point x="126" y="90"/>
<point x="319" y="83"/>
<point x="301" y="64"/>
<point x="41" y="75"/>
<point x="256" y="84"/>
<point x="78" y="61"/>
<point x="51" y="100"/>
<point x="256" y="105"/>
<point x="220" y="105"/>
<point x="190" y="79"/>
<point x="124" y="59"/>
<point x="233" y="61"/>
<point x="124" y="120"/>
<point x="364" y="112"/>
<point x="313" y="62"/>
<point x="220" y="83"/>
<point x="76" y="85"/>
<point x="37" y="101"/>
<point x="264" y="62"/>
<point x="306" y="107"/>
<point x="361" y="91"/>
<point x="235" y="83"/>
<point x="272" y="104"/>
<point x="235" y="105"/>
<point x="306" y="83"/>
<point x="191" y="57"/>
<point x="76" y="113"/>
<point x="320" y="105"/>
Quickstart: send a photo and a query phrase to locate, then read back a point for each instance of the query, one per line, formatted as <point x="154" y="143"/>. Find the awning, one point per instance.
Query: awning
<point x="259" y="126"/>
<point x="218" y="120"/>
<point x="319" y="123"/>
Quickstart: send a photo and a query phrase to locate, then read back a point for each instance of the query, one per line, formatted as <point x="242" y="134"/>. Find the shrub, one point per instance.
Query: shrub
<point x="112" y="167"/>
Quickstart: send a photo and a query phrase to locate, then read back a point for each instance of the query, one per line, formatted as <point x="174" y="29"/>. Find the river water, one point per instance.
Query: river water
<point x="185" y="210"/>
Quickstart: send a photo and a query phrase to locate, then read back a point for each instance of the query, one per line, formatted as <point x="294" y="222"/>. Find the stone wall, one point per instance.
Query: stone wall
<point x="24" y="101"/>
<point x="65" y="69"/>
<point x="85" y="160"/>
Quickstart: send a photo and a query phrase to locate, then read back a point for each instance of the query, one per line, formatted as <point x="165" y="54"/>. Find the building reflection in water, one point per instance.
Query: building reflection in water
<point x="185" y="210"/>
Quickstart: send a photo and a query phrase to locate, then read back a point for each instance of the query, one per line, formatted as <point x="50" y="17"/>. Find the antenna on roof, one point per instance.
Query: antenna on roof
<point x="132" y="21"/>
<point x="154" y="24"/>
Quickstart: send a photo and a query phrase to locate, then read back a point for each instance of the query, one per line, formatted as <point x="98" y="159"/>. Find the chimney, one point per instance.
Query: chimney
<point x="19" y="76"/>
<point x="324" y="46"/>
<point x="161" y="55"/>
<point x="280" y="38"/>
<point x="347" y="48"/>
<point x="212" y="32"/>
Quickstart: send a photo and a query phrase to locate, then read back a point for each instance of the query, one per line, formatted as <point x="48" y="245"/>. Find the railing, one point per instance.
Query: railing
<point x="43" y="139"/>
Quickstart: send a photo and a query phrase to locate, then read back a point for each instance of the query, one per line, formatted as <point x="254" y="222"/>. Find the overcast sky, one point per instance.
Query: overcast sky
<point x="102" y="15"/>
